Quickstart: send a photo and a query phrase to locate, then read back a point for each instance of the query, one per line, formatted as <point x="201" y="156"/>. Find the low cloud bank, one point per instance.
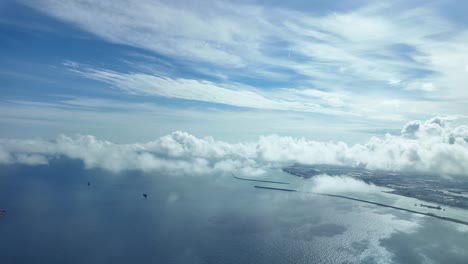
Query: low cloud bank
<point x="432" y="146"/>
<point x="339" y="184"/>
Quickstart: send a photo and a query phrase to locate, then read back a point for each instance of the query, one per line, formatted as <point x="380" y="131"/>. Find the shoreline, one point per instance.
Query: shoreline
<point x="454" y="220"/>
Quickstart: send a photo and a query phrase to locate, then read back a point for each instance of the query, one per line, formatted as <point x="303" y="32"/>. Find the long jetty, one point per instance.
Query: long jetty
<point x="454" y="220"/>
<point x="254" y="180"/>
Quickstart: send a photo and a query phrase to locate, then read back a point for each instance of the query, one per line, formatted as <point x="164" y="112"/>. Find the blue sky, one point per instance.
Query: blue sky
<point x="134" y="71"/>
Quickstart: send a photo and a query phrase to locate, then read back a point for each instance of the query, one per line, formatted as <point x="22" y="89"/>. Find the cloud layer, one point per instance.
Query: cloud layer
<point x="433" y="146"/>
<point x="233" y="94"/>
<point x="383" y="42"/>
<point x="339" y="184"/>
<point x="402" y="59"/>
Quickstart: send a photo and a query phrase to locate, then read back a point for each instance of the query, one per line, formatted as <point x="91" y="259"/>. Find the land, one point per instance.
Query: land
<point x="430" y="188"/>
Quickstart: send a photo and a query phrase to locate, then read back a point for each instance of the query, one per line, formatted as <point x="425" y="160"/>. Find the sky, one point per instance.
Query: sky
<point x="244" y="83"/>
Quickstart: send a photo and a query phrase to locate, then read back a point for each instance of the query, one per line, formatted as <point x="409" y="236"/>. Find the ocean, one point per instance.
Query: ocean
<point x="53" y="216"/>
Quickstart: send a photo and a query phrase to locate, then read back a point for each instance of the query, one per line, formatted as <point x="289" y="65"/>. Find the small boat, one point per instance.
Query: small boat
<point x="2" y="213"/>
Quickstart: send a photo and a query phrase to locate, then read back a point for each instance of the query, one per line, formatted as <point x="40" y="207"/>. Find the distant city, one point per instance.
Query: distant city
<point x="430" y="188"/>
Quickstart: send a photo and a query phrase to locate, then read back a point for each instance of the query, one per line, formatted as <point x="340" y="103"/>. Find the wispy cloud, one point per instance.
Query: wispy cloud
<point x="234" y="94"/>
<point x="375" y="42"/>
<point x="392" y="52"/>
<point x="145" y="120"/>
<point x="299" y="99"/>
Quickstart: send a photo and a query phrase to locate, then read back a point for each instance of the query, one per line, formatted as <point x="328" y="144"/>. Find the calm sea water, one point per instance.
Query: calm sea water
<point x="53" y="216"/>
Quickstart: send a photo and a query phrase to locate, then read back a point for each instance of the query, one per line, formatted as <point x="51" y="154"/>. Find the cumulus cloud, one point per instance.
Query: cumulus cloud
<point x="411" y="128"/>
<point x="434" y="146"/>
<point x="339" y="184"/>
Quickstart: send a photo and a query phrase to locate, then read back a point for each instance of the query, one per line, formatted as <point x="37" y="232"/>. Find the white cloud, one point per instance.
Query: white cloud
<point x="299" y="99"/>
<point x="332" y="99"/>
<point x="31" y="159"/>
<point x="22" y="157"/>
<point x="5" y="157"/>
<point x="375" y="42"/>
<point x="191" y="31"/>
<point x="411" y="128"/>
<point x="428" y="87"/>
<point x="172" y="197"/>
<point x="145" y="121"/>
<point x="340" y="63"/>
<point x="221" y="93"/>
<point x="433" y="146"/>
<point x="339" y="184"/>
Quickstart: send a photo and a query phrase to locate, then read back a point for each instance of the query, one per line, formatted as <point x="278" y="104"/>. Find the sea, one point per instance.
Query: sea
<point x="54" y="216"/>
